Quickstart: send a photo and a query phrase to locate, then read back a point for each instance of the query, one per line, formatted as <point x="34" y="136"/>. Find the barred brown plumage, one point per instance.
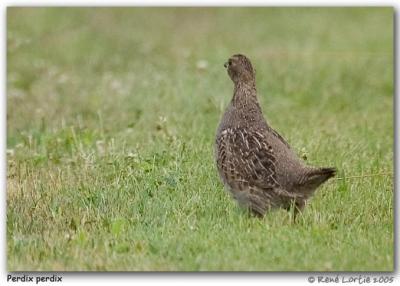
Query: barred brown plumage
<point x="255" y="163"/>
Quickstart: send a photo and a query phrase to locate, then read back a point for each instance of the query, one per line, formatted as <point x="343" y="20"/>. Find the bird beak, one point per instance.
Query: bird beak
<point x="226" y="64"/>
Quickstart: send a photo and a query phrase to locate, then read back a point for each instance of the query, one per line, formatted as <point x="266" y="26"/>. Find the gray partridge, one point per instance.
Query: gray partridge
<point x="255" y="163"/>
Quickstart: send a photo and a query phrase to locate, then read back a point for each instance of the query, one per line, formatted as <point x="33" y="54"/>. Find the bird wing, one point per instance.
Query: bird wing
<point x="245" y="159"/>
<point x="277" y="135"/>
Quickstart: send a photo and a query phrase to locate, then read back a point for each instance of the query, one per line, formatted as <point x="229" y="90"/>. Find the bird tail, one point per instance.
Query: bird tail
<point x="318" y="176"/>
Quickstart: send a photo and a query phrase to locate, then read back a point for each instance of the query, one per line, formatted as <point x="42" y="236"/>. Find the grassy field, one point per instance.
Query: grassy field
<point x="111" y="118"/>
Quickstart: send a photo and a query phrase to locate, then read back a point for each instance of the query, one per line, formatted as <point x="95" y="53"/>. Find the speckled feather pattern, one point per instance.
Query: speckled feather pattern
<point x="255" y="163"/>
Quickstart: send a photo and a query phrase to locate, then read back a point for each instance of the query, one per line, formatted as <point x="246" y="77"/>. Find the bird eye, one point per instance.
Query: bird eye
<point x="230" y="62"/>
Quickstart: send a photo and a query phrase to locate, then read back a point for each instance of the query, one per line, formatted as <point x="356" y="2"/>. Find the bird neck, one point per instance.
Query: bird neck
<point x="245" y="94"/>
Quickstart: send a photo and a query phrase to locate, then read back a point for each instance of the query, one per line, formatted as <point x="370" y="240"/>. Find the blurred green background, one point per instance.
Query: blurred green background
<point x="111" y="118"/>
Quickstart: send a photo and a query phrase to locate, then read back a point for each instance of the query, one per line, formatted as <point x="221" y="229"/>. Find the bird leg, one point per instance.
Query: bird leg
<point x="297" y="207"/>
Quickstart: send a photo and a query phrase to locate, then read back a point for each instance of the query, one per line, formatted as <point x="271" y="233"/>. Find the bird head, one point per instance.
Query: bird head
<point x="240" y="69"/>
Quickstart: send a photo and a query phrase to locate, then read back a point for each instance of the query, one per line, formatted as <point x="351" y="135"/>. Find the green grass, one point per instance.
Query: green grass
<point x="111" y="121"/>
